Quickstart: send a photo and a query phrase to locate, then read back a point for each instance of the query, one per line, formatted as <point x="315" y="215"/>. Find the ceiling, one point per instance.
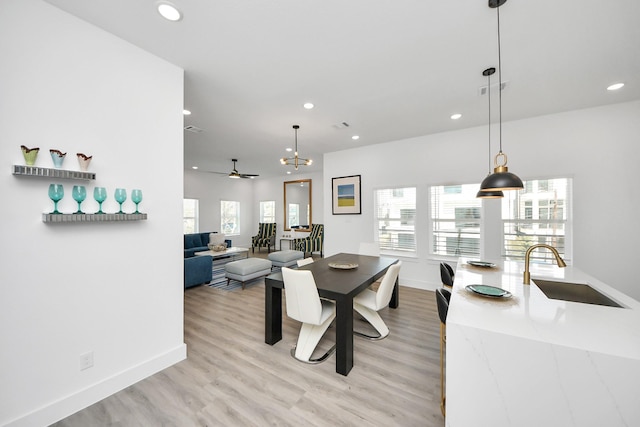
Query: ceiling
<point x="390" y="69"/>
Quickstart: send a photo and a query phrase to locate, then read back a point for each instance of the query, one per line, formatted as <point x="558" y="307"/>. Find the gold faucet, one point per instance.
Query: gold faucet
<point x="527" y="274"/>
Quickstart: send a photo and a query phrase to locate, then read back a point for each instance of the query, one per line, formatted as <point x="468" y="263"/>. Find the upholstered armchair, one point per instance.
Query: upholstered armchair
<point x="266" y="237"/>
<point x="312" y="243"/>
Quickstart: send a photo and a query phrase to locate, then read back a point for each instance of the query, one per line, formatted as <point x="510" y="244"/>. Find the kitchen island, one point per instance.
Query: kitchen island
<point x="529" y="360"/>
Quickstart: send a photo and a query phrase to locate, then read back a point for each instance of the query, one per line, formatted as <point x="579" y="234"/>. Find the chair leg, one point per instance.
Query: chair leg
<point x="375" y="320"/>
<point x="310" y="336"/>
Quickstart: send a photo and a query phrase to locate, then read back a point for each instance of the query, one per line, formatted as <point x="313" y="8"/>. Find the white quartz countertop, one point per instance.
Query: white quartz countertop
<point x="529" y="314"/>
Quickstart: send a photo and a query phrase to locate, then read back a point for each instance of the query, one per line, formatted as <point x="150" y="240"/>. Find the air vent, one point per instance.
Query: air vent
<point x="483" y="89"/>
<point x="193" y="129"/>
<point x="341" y="125"/>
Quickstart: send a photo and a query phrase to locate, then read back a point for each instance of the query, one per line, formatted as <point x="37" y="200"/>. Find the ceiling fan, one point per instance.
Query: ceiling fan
<point x="235" y="174"/>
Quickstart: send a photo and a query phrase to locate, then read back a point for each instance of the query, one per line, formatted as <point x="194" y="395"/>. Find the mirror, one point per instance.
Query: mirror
<point x="297" y="205"/>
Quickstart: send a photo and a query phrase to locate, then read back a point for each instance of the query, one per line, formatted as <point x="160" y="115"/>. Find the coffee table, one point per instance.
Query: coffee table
<point x="232" y="252"/>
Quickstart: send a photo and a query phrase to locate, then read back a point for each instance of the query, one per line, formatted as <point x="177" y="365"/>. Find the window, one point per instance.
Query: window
<point x="538" y="214"/>
<point x="395" y="219"/>
<point x="190" y="216"/>
<point x="229" y="217"/>
<point x="268" y="211"/>
<point x="455" y="220"/>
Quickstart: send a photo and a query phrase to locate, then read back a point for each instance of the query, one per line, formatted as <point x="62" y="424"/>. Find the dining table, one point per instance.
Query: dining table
<point x="339" y="277"/>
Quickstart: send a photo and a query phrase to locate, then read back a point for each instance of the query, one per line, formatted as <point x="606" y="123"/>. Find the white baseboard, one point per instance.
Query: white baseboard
<point x="73" y="403"/>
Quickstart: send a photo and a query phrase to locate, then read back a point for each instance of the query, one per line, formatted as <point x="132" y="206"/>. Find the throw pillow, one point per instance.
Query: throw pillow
<point x="216" y="238"/>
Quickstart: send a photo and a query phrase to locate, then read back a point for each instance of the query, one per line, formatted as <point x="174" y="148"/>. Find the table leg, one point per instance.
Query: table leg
<point x="344" y="335"/>
<point x="395" y="296"/>
<point x="272" y="313"/>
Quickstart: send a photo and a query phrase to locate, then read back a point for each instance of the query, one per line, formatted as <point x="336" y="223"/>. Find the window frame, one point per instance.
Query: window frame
<point x="562" y="242"/>
<point x="195" y="218"/>
<point x="448" y="191"/>
<point x="402" y="219"/>
<point x="223" y="229"/>
<point x="263" y="218"/>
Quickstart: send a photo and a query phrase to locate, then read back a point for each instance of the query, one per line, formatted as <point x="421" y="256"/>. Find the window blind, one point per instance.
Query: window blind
<point x="455" y="220"/>
<point x="395" y="219"/>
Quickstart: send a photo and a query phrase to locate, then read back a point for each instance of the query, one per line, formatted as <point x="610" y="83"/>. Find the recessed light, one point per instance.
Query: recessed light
<point x="354" y="137"/>
<point x="289" y="149"/>
<point x="186" y="112"/>
<point x="288" y="172"/>
<point x="308" y="105"/>
<point x="456" y="116"/>
<point x="615" y="86"/>
<point x="169" y="11"/>
<point x="194" y="167"/>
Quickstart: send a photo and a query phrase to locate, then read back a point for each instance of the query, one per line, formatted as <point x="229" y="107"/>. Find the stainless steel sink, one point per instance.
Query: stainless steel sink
<point x="576" y="292"/>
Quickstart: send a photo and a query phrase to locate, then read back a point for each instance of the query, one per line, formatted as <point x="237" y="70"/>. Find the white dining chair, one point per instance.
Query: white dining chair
<point x="368" y="302"/>
<point x="303" y="304"/>
<point x="304" y="261"/>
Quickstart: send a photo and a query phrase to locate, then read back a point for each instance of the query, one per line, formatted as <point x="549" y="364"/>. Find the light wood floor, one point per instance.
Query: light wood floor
<point x="232" y="378"/>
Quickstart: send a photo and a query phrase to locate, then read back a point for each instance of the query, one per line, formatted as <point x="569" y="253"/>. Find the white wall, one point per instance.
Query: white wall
<point x="111" y="288"/>
<point x="598" y="147"/>
<point x="209" y="189"/>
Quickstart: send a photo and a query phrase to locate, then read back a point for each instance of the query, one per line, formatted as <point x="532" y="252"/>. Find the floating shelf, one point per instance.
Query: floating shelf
<point x="52" y="173"/>
<point x="72" y="218"/>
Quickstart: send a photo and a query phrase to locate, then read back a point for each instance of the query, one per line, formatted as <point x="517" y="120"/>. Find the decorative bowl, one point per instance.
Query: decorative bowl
<point x="217" y="248"/>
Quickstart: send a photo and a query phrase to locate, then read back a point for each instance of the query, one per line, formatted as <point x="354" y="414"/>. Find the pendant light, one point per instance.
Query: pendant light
<point x="495" y="194"/>
<point x="501" y="178"/>
<point x="295" y="160"/>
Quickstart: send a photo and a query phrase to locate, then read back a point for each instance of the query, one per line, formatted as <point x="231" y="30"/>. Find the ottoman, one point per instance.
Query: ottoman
<point x="247" y="269"/>
<point x="285" y="258"/>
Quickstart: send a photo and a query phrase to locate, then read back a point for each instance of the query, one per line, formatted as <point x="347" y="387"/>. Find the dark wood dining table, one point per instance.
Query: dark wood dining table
<point x="340" y="285"/>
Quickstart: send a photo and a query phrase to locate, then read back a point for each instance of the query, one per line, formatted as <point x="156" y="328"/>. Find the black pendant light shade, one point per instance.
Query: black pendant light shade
<point x="501" y="178"/>
<point x="501" y="181"/>
<point x="490" y="194"/>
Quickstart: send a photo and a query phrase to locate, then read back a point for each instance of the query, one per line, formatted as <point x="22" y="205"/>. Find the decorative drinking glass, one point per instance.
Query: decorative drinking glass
<point x="120" y="196"/>
<point x="79" y="194"/>
<point x="56" y="193"/>
<point x="136" y="197"/>
<point x="100" y="194"/>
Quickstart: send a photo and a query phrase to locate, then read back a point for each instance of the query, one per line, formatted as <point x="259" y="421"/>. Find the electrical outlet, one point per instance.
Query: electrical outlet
<point x="86" y="360"/>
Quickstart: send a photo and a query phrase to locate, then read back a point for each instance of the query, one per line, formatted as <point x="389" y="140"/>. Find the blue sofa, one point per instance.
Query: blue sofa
<point x="197" y="242"/>
<point x="197" y="270"/>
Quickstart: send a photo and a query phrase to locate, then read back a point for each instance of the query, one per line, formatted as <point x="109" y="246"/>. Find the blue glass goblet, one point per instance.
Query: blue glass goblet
<point x="100" y="194"/>
<point x="120" y="196"/>
<point x="136" y="197"/>
<point x="79" y="194"/>
<point x="56" y="193"/>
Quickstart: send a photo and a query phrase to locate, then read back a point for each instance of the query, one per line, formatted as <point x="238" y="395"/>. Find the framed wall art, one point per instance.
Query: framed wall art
<point x="346" y="195"/>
